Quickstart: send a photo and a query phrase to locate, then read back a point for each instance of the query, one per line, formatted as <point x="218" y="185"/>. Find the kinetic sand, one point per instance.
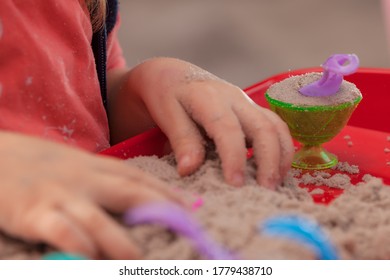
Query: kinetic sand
<point x="358" y="222"/>
<point x="288" y="91"/>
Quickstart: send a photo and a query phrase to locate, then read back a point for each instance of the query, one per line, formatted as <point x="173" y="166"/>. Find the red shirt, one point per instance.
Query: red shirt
<point x="48" y="80"/>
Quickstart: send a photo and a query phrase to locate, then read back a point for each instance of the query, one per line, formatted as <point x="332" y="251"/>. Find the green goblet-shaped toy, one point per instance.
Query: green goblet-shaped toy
<point x="313" y="125"/>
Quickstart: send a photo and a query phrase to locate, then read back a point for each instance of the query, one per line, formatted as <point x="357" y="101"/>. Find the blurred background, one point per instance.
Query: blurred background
<point x="246" y="41"/>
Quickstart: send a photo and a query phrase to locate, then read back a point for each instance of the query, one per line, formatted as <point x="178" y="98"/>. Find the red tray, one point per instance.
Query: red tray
<point x="368" y="129"/>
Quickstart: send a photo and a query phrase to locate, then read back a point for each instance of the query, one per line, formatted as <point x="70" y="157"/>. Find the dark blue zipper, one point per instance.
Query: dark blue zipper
<point x="99" y="47"/>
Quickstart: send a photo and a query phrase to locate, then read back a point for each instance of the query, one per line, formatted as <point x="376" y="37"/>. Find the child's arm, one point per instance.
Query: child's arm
<point x="56" y="194"/>
<point x="180" y="97"/>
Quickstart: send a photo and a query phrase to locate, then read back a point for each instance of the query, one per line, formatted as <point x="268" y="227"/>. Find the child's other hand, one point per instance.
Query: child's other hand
<point x="181" y="98"/>
<point x="54" y="194"/>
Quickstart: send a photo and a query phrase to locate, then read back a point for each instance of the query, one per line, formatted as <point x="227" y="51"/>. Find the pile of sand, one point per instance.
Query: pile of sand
<point x="287" y="91"/>
<point x="358" y="222"/>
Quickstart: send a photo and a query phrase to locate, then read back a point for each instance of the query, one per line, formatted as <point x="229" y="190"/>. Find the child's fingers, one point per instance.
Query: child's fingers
<point x="183" y="134"/>
<point x="74" y="225"/>
<point x="271" y="144"/>
<point x="264" y="136"/>
<point x="286" y="143"/>
<point x="229" y="139"/>
<point x="119" y="193"/>
<point x="128" y="181"/>
<point x="223" y="127"/>
<point x="55" y="228"/>
<point x="109" y="237"/>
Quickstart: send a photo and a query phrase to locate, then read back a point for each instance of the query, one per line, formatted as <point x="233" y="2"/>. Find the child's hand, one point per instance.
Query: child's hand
<point x="54" y="194"/>
<point x="185" y="100"/>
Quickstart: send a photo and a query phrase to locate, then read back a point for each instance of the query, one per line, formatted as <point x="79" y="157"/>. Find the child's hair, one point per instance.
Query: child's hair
<point x="97" y="10"/>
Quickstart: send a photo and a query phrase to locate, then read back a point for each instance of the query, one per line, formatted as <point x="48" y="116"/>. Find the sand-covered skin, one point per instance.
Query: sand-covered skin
<point x="358" y="222"/>
<point x="288" y="91"/>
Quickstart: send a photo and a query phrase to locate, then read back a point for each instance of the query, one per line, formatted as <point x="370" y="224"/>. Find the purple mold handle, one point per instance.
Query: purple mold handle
<point x="334" y="68"/>
<point x="177" y="219"/>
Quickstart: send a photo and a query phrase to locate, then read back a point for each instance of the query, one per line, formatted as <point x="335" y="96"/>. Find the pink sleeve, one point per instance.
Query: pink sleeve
<point x="115" y="58"/>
